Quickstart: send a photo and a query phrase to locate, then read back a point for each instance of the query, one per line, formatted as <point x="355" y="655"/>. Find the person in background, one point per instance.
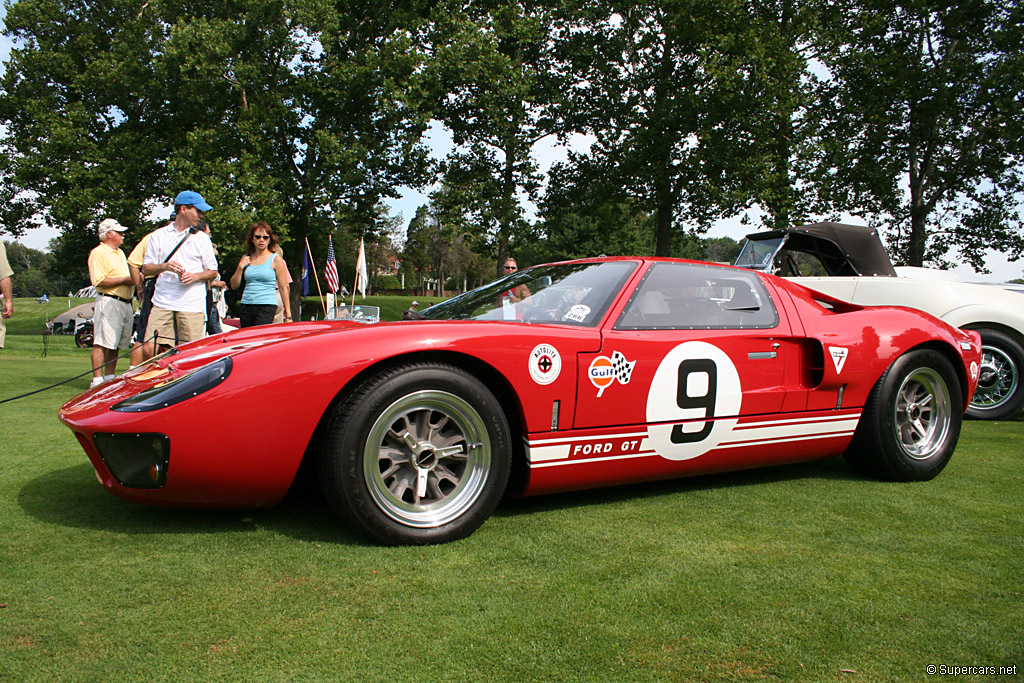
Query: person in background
<point x="178" y="314"/>
<point x="279" y="313"/>
<point x="145" y="303"/>
<point x="413" y="312"/>
<point x="112" y="313"/>
<point x="214" y="291"/>
<point x="6" y="289"/>
<point x="516" y="294"/>
<point x="265" y="274"/>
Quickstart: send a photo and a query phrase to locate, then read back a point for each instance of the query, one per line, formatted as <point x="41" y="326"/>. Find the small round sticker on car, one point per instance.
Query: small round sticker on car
<point x="578" y="313"/>
<point x="545" y="364"/>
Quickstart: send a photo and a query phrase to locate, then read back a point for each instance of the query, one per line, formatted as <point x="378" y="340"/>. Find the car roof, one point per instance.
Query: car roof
<point x="859" y="245"/>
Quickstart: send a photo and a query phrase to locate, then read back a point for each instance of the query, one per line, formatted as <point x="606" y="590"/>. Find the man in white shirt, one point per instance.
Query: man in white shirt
<point x="179" y="302"/>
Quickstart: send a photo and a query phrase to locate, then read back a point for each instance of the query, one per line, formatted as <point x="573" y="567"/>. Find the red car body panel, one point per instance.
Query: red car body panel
<point x="595" y="406"/>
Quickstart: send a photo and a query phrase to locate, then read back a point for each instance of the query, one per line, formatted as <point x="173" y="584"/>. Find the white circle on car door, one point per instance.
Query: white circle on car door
<point x="695" y="383"/>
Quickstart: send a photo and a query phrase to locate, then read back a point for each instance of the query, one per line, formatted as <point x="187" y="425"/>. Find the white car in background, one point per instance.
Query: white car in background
<point x="849" y="262"/>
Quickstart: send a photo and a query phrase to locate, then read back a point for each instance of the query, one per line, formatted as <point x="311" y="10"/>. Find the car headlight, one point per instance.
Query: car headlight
<point x="178" y="390"/>
<point x="137" y="461"/>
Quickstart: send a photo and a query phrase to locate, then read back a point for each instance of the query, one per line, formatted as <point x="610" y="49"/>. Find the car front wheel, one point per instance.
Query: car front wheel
<point x="1000" y="392"/>
<point x="417" y="454"/>
<point x="911" y="421"/>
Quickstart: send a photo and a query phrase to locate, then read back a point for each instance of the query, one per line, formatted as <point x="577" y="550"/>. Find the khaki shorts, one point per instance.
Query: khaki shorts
<point x="3" y="325"/>
<point x="112" y="323"/>
<point x="175" y="327"/>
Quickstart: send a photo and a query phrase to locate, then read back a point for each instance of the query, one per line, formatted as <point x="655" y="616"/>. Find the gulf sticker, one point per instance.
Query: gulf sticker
<point x="694" y="384"/>
<point x="545" y="364"/>
<point x="604" y="370"/>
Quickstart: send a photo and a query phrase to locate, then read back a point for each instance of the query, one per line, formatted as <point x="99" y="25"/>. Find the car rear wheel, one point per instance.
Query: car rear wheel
<point x="1000" y="392"/>
<point x="911" y="421"/>
<point x="84" y="337"/>
<point x="417" y="454"/>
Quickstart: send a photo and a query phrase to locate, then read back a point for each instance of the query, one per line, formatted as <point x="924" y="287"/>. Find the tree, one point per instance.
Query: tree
<point x="498" y="81"/>
<point x="584" y="214"/>
<point x="665" y="88"/>
<point x="925" y="118"/>
<point x="442" y="244"/>
<point x="720" y="249"/>
<point x="782" y="40"/>
<point x="300" y="113"/>
<point x="35" y="272"/>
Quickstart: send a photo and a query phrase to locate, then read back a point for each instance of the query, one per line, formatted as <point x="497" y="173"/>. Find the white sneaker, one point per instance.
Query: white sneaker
<point x="96" y="381"/>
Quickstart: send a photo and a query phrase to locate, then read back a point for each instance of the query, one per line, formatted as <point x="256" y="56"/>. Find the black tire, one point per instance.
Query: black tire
<point x="417" y="454"/>
<point x="84" y="337"/>
<point x="911" y="421"/>
<point x="1000" y="393"/>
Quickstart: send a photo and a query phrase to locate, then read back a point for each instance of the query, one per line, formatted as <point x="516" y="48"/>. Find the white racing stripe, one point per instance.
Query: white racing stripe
<point x="549" y="452"/>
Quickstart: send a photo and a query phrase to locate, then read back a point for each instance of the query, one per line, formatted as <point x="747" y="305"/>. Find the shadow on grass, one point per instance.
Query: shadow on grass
<point x="71" y="497"/>
<point x="832" y="469"/>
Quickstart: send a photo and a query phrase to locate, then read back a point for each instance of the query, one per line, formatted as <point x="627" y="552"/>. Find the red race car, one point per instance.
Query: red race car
<point x="564" y="376"/>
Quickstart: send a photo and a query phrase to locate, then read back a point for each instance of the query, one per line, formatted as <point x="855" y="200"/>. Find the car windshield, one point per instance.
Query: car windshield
<point x="568" y="293"/>
<point x="757" y="254"/>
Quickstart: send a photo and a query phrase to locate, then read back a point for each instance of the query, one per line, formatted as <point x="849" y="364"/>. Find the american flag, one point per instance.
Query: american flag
<point x="331" y="271"/>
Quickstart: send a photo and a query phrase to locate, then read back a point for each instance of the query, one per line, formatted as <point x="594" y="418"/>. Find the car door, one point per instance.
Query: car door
<point x="694" y="348"/>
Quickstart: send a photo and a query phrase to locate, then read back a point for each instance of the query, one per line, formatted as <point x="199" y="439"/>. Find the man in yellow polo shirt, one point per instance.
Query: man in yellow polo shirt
<point x="112" y="314"/>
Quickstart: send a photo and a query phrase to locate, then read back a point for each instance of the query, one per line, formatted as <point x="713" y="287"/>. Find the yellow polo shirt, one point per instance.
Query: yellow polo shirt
<point x="139" y="252"/>
<point x="104" y="262"/>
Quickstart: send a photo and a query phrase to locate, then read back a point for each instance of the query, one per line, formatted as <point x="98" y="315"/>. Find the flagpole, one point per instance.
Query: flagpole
<point x="316" y="277"/>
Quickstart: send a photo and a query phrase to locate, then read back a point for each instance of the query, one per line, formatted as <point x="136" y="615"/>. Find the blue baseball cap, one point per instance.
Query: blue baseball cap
<point x="193" y="199"/>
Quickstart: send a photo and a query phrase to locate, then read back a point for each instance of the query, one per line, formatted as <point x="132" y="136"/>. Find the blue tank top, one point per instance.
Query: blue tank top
<point x="261" y="284"/>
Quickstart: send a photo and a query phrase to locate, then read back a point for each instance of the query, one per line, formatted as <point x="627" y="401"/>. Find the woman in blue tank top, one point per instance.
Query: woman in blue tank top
<point x="265" y="272"/>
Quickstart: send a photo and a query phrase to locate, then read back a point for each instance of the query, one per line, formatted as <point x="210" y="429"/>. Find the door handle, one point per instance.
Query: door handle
<point x="760" y="355"/>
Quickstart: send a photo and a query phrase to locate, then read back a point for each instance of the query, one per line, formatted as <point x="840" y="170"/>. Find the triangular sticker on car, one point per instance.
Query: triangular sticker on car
<point x="838" y="357"/>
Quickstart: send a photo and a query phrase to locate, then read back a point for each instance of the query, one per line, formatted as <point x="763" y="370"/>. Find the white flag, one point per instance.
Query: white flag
<point x="362" y="279"/>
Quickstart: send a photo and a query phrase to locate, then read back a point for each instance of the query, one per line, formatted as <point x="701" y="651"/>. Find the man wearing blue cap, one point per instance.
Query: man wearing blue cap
<point x="183" y="261"/>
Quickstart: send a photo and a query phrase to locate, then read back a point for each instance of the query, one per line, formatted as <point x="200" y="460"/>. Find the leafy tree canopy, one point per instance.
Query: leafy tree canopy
<point x="924" y="124"/>
<point x="300" y="113"/>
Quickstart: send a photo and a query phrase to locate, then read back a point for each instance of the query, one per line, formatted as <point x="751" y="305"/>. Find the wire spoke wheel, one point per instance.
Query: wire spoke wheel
<point x="922" y="413"/>
<point x="1000" y="391"/>
<point x="998" y="380"/>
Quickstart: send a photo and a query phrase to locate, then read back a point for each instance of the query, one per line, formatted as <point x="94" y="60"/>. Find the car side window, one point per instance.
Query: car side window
<point x="689" y="296"/>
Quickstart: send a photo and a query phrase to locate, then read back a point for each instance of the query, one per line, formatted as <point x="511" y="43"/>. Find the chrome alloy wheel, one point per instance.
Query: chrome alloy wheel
<point x="998" y="379"/>
<point x="427" y="458"/>
<point x="922" y="413"/>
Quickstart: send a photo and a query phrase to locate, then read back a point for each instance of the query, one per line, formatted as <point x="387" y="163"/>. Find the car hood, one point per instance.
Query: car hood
<point x="196" y="354"/>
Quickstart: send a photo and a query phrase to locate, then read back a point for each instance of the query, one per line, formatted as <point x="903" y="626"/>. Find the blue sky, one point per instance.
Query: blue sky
<point x="546" y="153"/>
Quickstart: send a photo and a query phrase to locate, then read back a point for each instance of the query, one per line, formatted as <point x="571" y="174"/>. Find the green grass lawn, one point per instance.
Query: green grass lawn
<point x="796" y="573"/>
